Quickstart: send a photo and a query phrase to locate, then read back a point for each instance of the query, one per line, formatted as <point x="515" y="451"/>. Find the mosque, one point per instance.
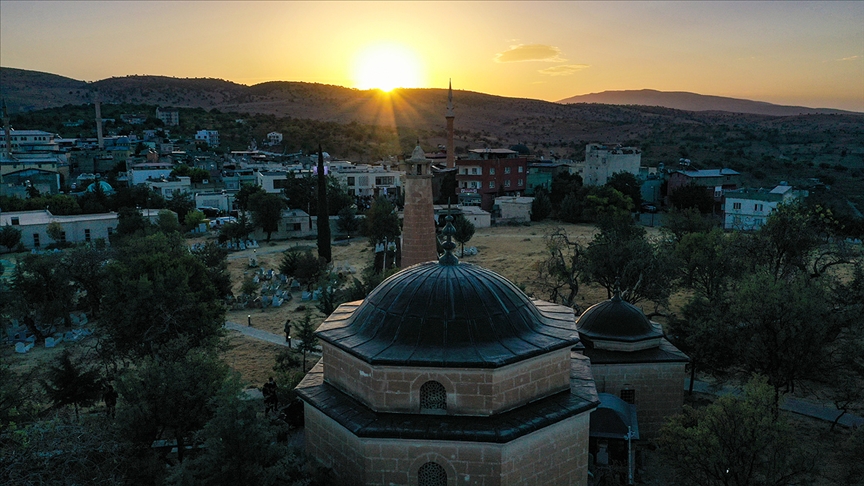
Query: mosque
<point x="448" y="374"/>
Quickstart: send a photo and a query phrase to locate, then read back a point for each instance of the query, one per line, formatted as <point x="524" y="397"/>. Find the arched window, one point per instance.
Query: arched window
<point x="433" y="397"/>
<point x="431" y="474"/>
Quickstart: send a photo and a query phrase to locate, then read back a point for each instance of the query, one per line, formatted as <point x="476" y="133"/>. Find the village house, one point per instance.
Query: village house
<point x="748" y="209"/>
<point x="78" y="228"/>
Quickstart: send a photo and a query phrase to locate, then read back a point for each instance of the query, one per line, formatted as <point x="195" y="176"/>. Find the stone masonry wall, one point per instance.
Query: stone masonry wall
<point x="418" y="228"/>
<point x="556" y="455"/>
<point x="659" y="390"/>
<point x="334" y="446"/>
<point x="470" y="391"/>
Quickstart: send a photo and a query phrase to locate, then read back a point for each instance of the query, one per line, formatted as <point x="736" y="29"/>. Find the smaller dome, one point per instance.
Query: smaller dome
<point x="618" y="325"/>
<point x="106" y="188"/>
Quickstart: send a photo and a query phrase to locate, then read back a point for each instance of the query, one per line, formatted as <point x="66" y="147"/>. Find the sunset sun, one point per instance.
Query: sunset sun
<point x="387" y="66"/>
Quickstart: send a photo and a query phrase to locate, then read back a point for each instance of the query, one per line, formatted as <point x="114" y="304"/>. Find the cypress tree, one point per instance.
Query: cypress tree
<point x="323" y="212"/>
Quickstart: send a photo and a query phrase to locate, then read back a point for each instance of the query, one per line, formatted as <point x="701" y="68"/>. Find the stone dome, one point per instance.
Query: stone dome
<point x="617" y="324"/>
<point x="449" y="314"/>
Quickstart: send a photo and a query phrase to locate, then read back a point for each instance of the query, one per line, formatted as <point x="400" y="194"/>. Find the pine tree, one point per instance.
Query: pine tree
<point x="306" y="337"/>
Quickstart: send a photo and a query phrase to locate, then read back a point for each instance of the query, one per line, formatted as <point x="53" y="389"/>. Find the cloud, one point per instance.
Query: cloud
<point x="850" y="58"/>
<point x="530" y="52"/>
<point x="564" y="69"/>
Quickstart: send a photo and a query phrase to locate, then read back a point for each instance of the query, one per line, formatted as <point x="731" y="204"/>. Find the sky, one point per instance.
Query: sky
<point x="793" y="53"/>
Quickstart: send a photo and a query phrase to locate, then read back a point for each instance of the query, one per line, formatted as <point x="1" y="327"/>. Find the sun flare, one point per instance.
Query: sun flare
<point x="387" y="66"/>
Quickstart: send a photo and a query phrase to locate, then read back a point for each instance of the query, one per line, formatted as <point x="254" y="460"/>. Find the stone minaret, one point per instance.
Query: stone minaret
<point x="418" y="228"/>
<point x="451" y="146"/>
<point x="7" y="131"/>
<point x="98" y="104"/>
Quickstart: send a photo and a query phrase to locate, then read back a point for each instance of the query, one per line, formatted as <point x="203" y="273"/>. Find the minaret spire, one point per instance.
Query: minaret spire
<point x="451" y="145"/>
<point x="7" y="130"/>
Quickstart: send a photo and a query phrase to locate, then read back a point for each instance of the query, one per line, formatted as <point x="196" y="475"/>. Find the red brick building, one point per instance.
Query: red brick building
<point x="488" y="173"/>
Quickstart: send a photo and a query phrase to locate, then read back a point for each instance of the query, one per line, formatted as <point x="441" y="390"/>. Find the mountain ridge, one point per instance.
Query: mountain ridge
<point x="26" y="90"/>
<point x="688" y="101"/>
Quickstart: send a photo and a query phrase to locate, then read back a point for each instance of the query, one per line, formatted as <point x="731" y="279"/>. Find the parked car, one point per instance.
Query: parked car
<point x="649" y="208"/>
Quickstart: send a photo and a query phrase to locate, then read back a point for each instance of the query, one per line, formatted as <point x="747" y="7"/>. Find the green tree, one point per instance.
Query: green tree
<point x="733" y="442"/>
<point x="464" y="230"/>
<point x="215" y="259"/>
<point x="782" y="328"/>
<point x="605" y="202"/>
<point x="241" y="199"/>
<point x="45" y="292"/>
<point x="307" y="342"/>
<point x="157" y="291"/>
<point x="704" y="335"/>
<point x="348" y="222"/>
<point x="627" y="184"/>
<point x="130" y="222"/>
<point x="236" y="231"/>
<point x="10" y="237"/>
<point x="266" y="211"/>
<point x="692" y="196"/>
<point x="558" y="272"/>
<point x="621" y="254"/>
<point x="564" y="184"/>
<point x="182" y="203"/>
<point x="708" y="262"/>
<point x="381" y="222"/>
<point x="680" y="222"/>
<point x="193" y="219"/>
<point x="305" y="267"/>
<point x="240" y="448"/>
<point x="85" y="267"/>
<point x="71" y="383"/>
<point x="541" y="207"/>
<point x="55" y="231"/>
<point x="170" y="395"/>
<point x="167" y="222"/>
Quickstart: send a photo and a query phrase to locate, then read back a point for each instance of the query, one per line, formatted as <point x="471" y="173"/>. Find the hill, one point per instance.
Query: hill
<point x="367" y="124"/>
<point x="682" y="100"/>
<point x="33" y="90"/>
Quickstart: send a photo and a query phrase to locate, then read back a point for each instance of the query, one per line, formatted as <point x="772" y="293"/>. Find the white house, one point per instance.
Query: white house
<point x="370" y="180"/>
<point x="167" y="186"/>
<point x="171" y="118"/>
<point x="141" y="173"/>
<point x="477" y="217"/>
<point x="513" y="208"/>
<point x="295" y="223"/>
<point x="274" y="138"/>
<point x="210" y="137"/>
<point x="748" y="209"/>
<point x="602" y="161"/>
<point x="78" y="228"/>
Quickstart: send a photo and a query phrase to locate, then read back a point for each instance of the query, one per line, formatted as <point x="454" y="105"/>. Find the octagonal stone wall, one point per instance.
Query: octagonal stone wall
<point x="470" y="391"/>
<point x="556" y="455"/>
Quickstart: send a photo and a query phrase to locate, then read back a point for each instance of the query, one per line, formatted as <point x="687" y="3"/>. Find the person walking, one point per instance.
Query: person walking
<point x="288" y="332"/>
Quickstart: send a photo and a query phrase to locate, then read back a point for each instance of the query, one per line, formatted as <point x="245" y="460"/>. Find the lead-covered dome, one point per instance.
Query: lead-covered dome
<point x="617" y="325"/>
<point x="449" y="315"/>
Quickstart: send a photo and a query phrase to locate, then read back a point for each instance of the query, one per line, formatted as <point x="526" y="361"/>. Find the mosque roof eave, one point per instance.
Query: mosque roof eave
<point x="501" y="428"/>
